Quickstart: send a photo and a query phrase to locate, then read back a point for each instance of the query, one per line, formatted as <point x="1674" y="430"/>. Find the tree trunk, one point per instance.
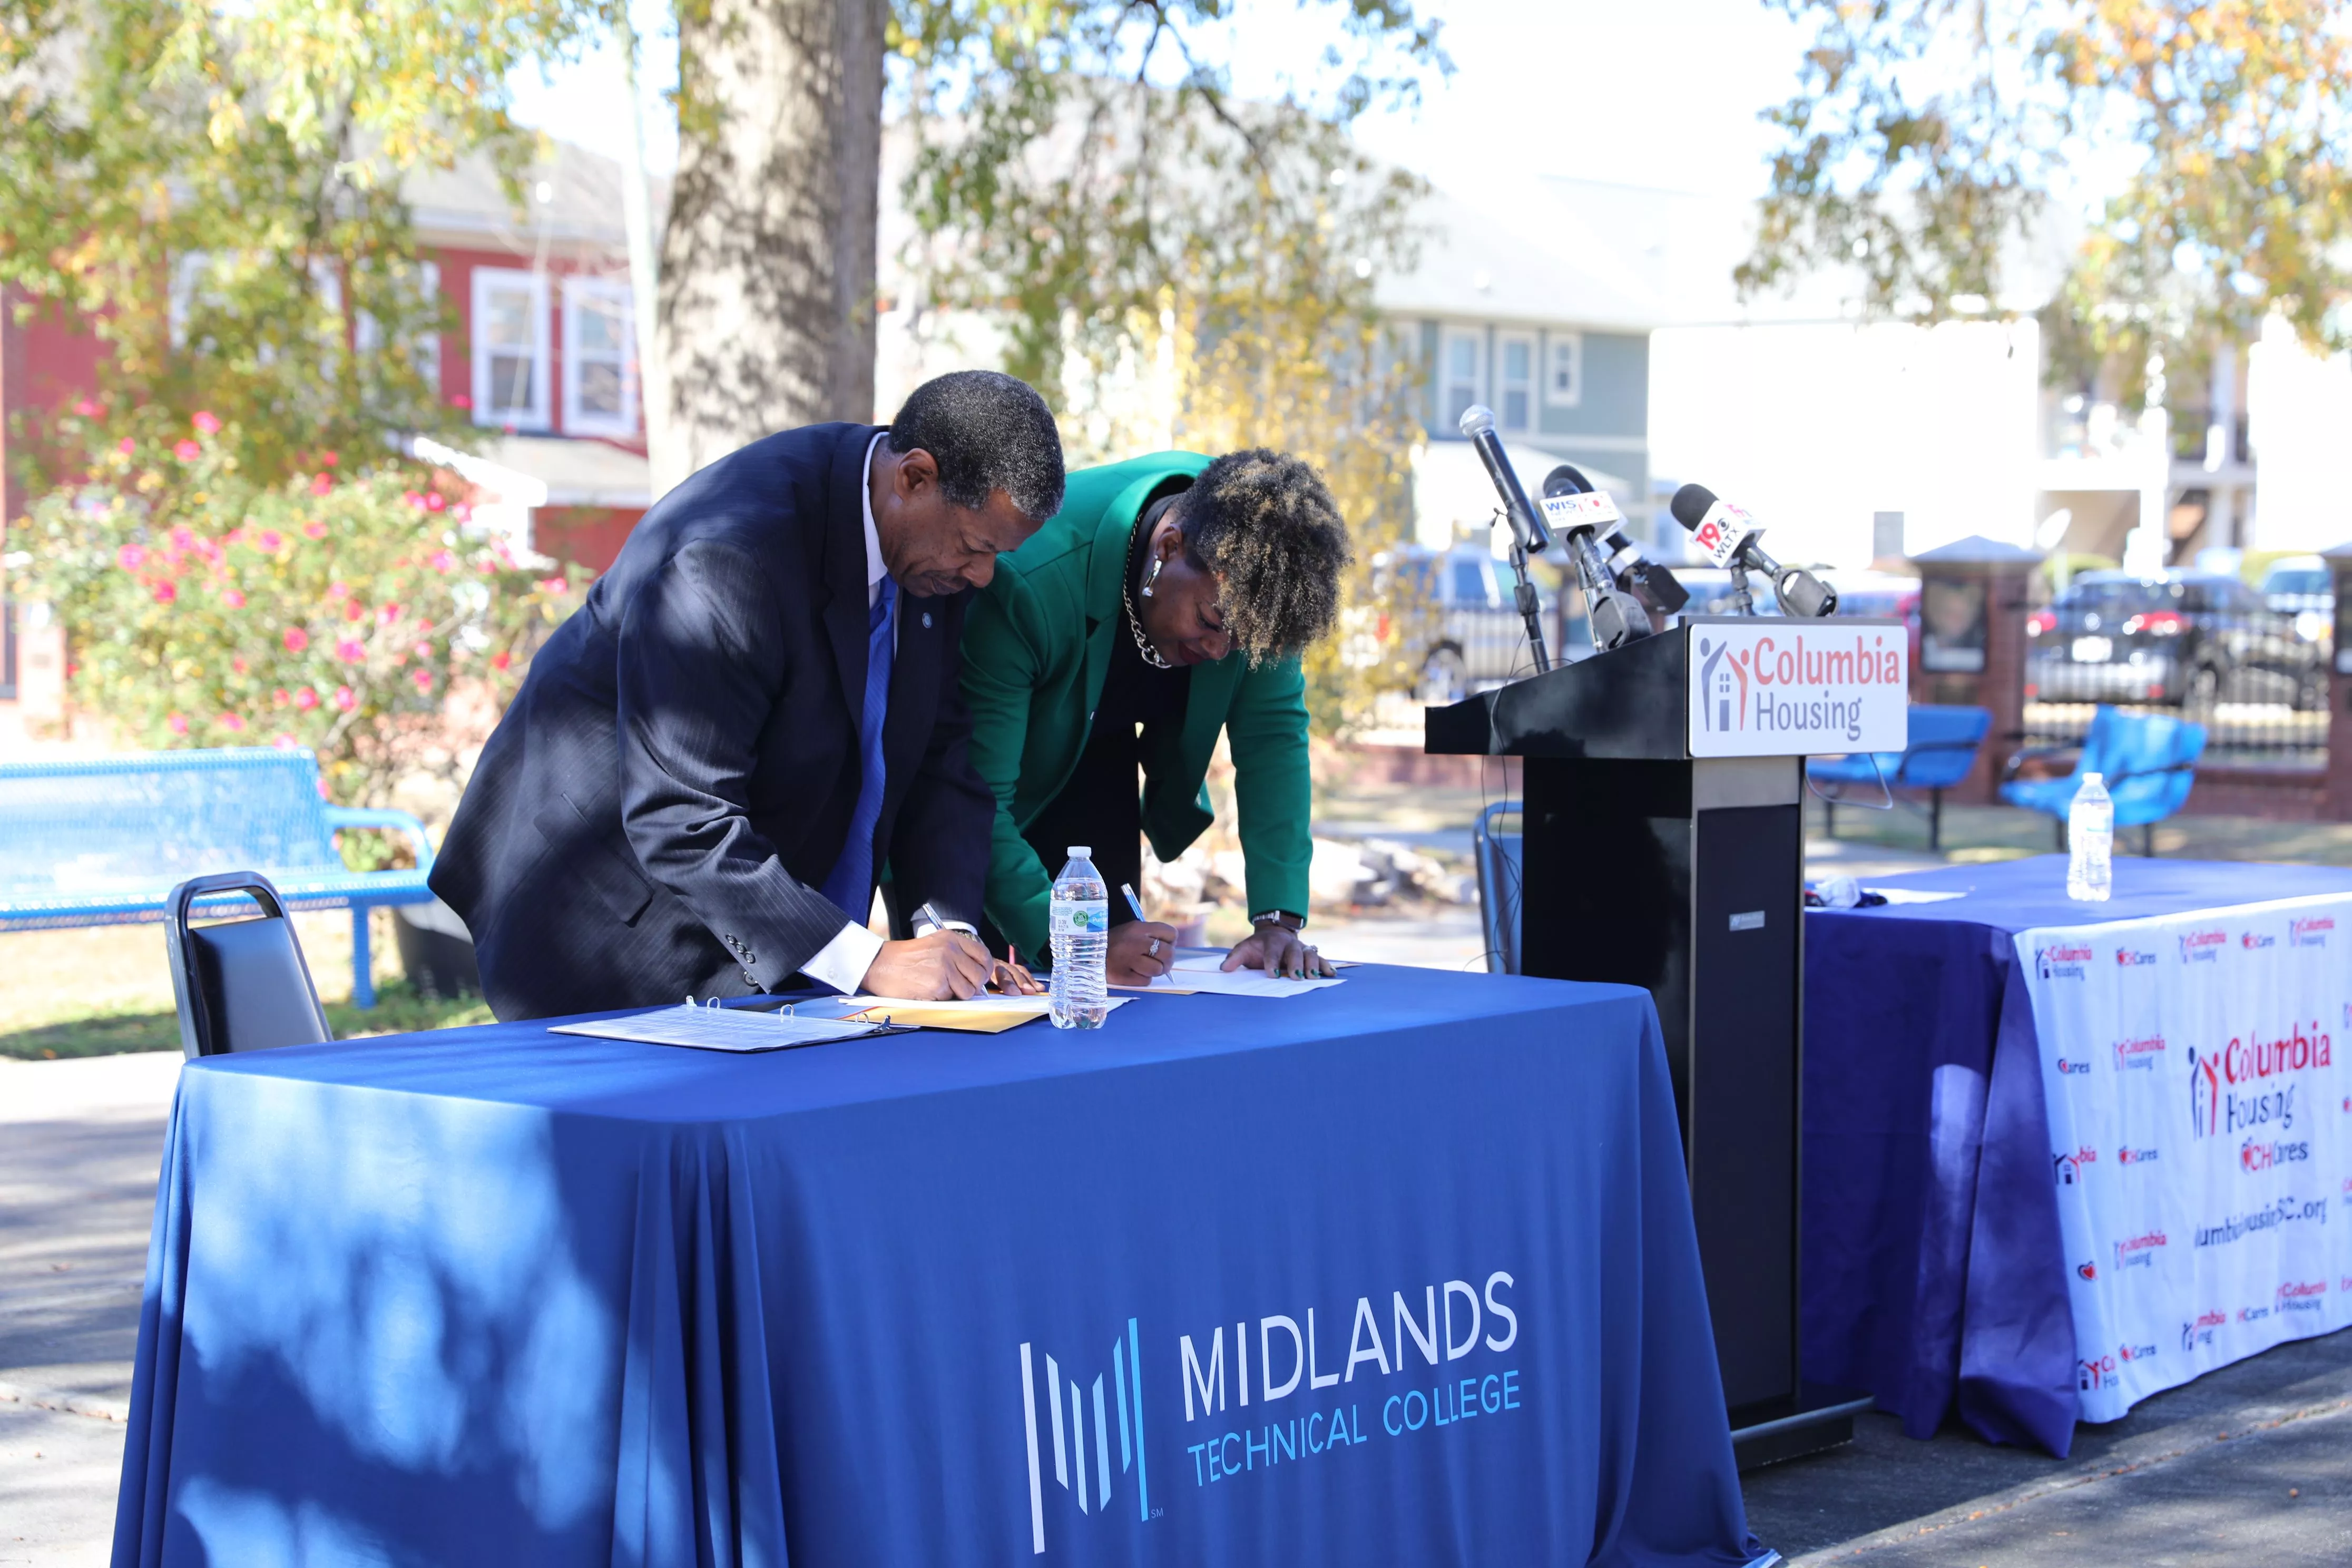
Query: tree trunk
<point x="767" y="266"/>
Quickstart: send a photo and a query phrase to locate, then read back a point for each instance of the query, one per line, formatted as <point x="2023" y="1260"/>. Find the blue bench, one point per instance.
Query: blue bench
<point x="104" y="841"/>
<point x="1943" y="748"/>
<point x="2148" y="760"/>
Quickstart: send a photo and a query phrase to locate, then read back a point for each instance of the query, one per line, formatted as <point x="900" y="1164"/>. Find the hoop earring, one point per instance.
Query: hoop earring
<point x="1151" y="576"/>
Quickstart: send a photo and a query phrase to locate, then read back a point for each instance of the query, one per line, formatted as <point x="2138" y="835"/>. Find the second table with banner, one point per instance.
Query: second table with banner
<point x="2065" y="1155"/>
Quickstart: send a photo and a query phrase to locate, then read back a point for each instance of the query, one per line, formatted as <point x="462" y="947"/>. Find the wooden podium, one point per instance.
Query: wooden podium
<point x="1648" y="861"/>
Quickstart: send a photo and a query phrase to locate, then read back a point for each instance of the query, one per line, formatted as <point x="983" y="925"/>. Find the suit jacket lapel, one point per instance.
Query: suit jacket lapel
<point x="844" y="566"/>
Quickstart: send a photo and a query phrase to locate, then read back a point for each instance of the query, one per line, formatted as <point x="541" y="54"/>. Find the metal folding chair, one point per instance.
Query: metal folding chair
<point x="241" y="985"/>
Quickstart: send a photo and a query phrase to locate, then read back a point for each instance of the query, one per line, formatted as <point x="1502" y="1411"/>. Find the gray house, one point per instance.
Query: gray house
<point x="1520" y="304"/>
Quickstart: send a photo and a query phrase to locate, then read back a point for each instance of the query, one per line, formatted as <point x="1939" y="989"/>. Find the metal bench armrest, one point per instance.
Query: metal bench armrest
<point x="2152" y="773"/>
<point x="1922" y="748"/>
<point x="2019" y="759"/>
<point x="340" y="816"/>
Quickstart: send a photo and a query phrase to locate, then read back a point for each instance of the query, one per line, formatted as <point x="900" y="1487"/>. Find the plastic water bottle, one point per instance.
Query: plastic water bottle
<point x="2091" y="842"/>
<point x="1079" y="924"/>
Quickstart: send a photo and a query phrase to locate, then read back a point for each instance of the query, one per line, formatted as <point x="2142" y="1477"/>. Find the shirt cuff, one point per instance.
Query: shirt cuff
<point x="842" y="963"/>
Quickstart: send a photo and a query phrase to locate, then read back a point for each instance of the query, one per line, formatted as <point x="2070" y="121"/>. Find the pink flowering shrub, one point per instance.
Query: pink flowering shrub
<point x="333" y="611"/>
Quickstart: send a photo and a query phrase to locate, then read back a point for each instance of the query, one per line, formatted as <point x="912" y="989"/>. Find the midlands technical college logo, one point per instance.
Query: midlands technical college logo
<point x="1080" y="1464"/>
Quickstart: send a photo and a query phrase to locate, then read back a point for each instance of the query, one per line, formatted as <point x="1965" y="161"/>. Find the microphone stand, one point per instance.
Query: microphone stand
<point x="1530" y="605"/>
<point x="1739" y="589"/>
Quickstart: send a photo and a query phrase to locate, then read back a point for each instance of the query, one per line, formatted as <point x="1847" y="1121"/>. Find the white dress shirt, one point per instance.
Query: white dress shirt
<point x="842" y="963"/>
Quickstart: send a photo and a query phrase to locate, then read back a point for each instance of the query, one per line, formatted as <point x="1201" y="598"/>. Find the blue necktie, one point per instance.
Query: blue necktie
<point x="851" y="883"/>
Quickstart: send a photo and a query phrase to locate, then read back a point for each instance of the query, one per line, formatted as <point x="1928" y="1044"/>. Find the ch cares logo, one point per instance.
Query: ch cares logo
<point x="2133" y="958"/>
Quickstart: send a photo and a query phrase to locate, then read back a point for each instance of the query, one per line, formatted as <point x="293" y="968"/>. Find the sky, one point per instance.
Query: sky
<point x="1663" y="93"/>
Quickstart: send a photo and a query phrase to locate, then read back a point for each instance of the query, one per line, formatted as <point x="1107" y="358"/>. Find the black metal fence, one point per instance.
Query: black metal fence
<point x="2237" y="734"/>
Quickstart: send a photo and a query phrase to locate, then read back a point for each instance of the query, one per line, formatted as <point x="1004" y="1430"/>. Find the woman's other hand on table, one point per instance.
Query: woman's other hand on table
<point x="1280" y="951"/>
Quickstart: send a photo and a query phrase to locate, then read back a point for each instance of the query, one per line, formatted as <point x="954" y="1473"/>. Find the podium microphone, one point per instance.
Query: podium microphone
<point x="1528" y="534"/>
<point x="1729" y="537"/>
<point x="1633" y="572"/>
<point x="1581" y="512"/>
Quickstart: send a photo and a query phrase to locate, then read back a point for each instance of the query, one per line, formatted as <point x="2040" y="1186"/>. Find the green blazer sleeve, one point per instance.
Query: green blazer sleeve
<point x="1003" y="659"/>
<point x="1273" y="786"/>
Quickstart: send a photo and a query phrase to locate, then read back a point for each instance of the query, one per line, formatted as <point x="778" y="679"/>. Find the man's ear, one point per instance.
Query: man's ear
<point x="917" y="471"/>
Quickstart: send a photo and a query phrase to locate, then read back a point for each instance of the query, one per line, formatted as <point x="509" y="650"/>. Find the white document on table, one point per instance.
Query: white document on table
<point x="1914" y="895"/>
<point x="720" y="1029"/>
<point x="1203" y="974"/>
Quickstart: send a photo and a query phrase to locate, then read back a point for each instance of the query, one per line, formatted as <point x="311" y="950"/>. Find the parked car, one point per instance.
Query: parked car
<point x="2296" y="583"/>
<point x="1460" y="605"/>
<point x="2304" y="587"/>
<point x="2183" y="639"/>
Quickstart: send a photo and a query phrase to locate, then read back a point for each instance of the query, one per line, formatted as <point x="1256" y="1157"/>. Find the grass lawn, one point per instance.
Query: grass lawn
<point x="107" y="989"/>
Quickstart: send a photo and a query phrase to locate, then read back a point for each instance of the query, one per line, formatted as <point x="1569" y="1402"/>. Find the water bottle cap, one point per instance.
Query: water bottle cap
<point x="2093" y="779"/>
<point x="1080" y="852"/>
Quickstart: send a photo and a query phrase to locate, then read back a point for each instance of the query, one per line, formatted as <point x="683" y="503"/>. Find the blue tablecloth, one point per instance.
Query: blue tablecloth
<point x="498" y="1296"/>
<point x="1932" y="1273"/>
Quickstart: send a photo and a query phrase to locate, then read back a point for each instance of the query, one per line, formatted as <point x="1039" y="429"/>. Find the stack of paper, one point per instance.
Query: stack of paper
<point x="1205" y="973"/>
<point x="722" y="1030"/>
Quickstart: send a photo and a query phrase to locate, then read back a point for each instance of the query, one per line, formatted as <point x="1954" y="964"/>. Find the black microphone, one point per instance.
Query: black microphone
<point x="1582" y="512"/>
<point x="1527" y="523"/>
<point x="1633" y="572"/>
<point x="1729" y="536"/>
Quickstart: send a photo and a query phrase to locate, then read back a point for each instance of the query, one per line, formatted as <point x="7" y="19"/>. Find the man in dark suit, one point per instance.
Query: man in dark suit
<point x="755" y="713"/>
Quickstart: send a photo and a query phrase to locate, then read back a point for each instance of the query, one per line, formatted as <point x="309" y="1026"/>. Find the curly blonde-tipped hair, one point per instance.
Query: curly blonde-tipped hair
<point x="1265" y="524"/>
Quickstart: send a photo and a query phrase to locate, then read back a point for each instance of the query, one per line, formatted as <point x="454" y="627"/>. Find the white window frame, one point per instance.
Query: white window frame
<point x="1446" y="380"/>
<point x="576" y="420"/>
<point x="486" y="279"/>
<point x="1555" y="345"/>
<point x="1502" y="393"/>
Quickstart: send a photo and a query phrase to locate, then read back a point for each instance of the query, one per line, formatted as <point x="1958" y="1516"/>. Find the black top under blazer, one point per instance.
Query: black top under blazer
<point x="652" y="815"/>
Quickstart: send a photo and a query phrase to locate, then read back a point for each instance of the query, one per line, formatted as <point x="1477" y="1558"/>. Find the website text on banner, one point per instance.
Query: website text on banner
<point x="2200" y="1125"/>
<point x="1780" y="687"/>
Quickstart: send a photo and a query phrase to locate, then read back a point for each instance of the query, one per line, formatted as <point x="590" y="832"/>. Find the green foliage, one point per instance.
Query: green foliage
<point x="1927" y="134"/>
<point x="1171" y="265"/>
<point x="225" y="261"/>
<point x="339" y="611"/>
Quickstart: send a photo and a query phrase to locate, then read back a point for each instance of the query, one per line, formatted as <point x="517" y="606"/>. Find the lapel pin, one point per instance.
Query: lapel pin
<point x="927" y="620"/>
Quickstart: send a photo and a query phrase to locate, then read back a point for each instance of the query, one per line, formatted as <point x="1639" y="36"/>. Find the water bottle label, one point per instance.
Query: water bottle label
<point x="1079" y="917"/>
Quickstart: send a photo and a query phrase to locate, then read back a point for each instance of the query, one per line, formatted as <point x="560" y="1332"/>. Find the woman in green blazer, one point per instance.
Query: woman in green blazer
<point x="1167" y="601"/>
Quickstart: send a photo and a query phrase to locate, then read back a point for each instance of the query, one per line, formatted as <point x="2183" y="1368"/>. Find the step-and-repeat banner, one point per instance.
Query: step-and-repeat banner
<point x="2198" y="1070"/>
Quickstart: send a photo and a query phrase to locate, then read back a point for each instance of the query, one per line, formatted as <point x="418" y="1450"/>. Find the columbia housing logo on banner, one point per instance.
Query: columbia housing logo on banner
<point x="2200" y="1121"/>
<point x="1773" y="687"/>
